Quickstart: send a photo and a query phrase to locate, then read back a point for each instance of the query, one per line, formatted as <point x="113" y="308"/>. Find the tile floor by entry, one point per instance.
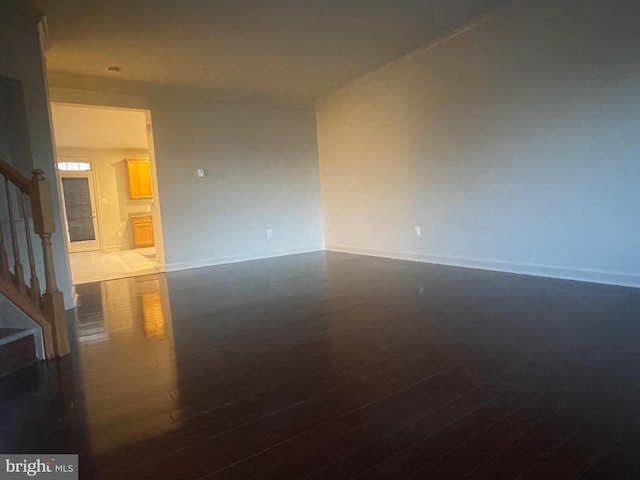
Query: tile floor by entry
<point x="87" y="267"/>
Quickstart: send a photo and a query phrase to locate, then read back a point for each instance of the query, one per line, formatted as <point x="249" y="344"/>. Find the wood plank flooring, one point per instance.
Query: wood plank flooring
<point x="334" y="366"/>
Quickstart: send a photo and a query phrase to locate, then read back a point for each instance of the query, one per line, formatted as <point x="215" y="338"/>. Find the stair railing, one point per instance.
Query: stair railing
<point x="22" y="193"/>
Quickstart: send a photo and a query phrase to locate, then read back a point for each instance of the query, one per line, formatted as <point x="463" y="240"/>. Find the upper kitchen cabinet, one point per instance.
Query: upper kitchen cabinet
<point x="139" y="178"/>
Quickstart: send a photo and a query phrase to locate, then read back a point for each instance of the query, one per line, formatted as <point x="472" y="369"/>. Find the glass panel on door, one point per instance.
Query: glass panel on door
<point x="80" y="213"/>
<point x="77" y="202"/>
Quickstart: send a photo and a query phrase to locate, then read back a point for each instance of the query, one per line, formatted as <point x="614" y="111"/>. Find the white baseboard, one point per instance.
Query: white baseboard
<point x="624" y="279"/>
<point x="212" y="261"/>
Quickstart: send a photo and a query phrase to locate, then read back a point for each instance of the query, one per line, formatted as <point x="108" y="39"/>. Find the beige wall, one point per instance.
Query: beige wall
<point x="514" y="146"/>
<point x="114" y="205"/>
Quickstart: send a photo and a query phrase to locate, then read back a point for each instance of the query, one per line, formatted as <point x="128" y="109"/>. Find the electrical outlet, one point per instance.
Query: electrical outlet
<point x="269" y="232"/>
<point x="200" y="172"/>
<point x="418" y="230"/>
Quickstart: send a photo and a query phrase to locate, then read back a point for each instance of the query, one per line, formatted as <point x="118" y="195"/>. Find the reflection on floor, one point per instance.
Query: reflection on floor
<point x="334" y="366"/>
<point x="87" y="267"/>
<point x="130" y="318"/>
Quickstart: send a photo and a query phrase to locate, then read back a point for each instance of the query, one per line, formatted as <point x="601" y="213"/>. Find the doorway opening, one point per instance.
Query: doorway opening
<point x="108" y="191"/>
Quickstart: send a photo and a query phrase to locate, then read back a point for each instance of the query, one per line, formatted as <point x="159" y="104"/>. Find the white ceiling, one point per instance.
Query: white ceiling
<point x="300" y="49"/>
<point x="88" y="127"/>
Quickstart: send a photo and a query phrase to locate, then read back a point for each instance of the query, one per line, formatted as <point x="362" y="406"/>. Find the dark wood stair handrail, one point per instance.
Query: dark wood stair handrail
<point x="12" y="174"/>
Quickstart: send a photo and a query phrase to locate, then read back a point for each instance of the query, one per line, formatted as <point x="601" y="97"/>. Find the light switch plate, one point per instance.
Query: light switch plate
<point x="200" y="172"/>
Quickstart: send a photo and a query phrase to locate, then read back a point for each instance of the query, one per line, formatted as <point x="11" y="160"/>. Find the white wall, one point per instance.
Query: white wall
<point x="261" y="168"/>
<point x="90" y="127"/>
<point x="20" y="58"/>
<point x="261" y="172"/>
<point x="514" y="145"/>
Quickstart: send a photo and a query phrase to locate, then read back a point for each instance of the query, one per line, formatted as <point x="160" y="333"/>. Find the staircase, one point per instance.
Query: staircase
<point x="33" y="323"/>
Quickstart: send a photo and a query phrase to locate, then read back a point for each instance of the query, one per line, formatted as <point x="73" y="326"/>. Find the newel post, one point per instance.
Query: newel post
<point x="44" y="225"/>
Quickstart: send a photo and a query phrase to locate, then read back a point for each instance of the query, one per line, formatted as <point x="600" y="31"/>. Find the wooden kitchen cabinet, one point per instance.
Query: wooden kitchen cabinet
<point x="139" y="178"/>
<point x="142" y="231"/>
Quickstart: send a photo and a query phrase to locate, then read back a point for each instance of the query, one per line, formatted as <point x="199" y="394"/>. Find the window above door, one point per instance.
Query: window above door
<point x="74" y="166"/>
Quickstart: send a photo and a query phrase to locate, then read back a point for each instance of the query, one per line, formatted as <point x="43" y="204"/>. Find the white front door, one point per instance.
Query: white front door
<point x="80" y="211"/>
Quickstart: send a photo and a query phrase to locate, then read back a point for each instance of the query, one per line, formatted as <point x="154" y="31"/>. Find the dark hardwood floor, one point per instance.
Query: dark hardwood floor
<point x="332" y="366"/>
